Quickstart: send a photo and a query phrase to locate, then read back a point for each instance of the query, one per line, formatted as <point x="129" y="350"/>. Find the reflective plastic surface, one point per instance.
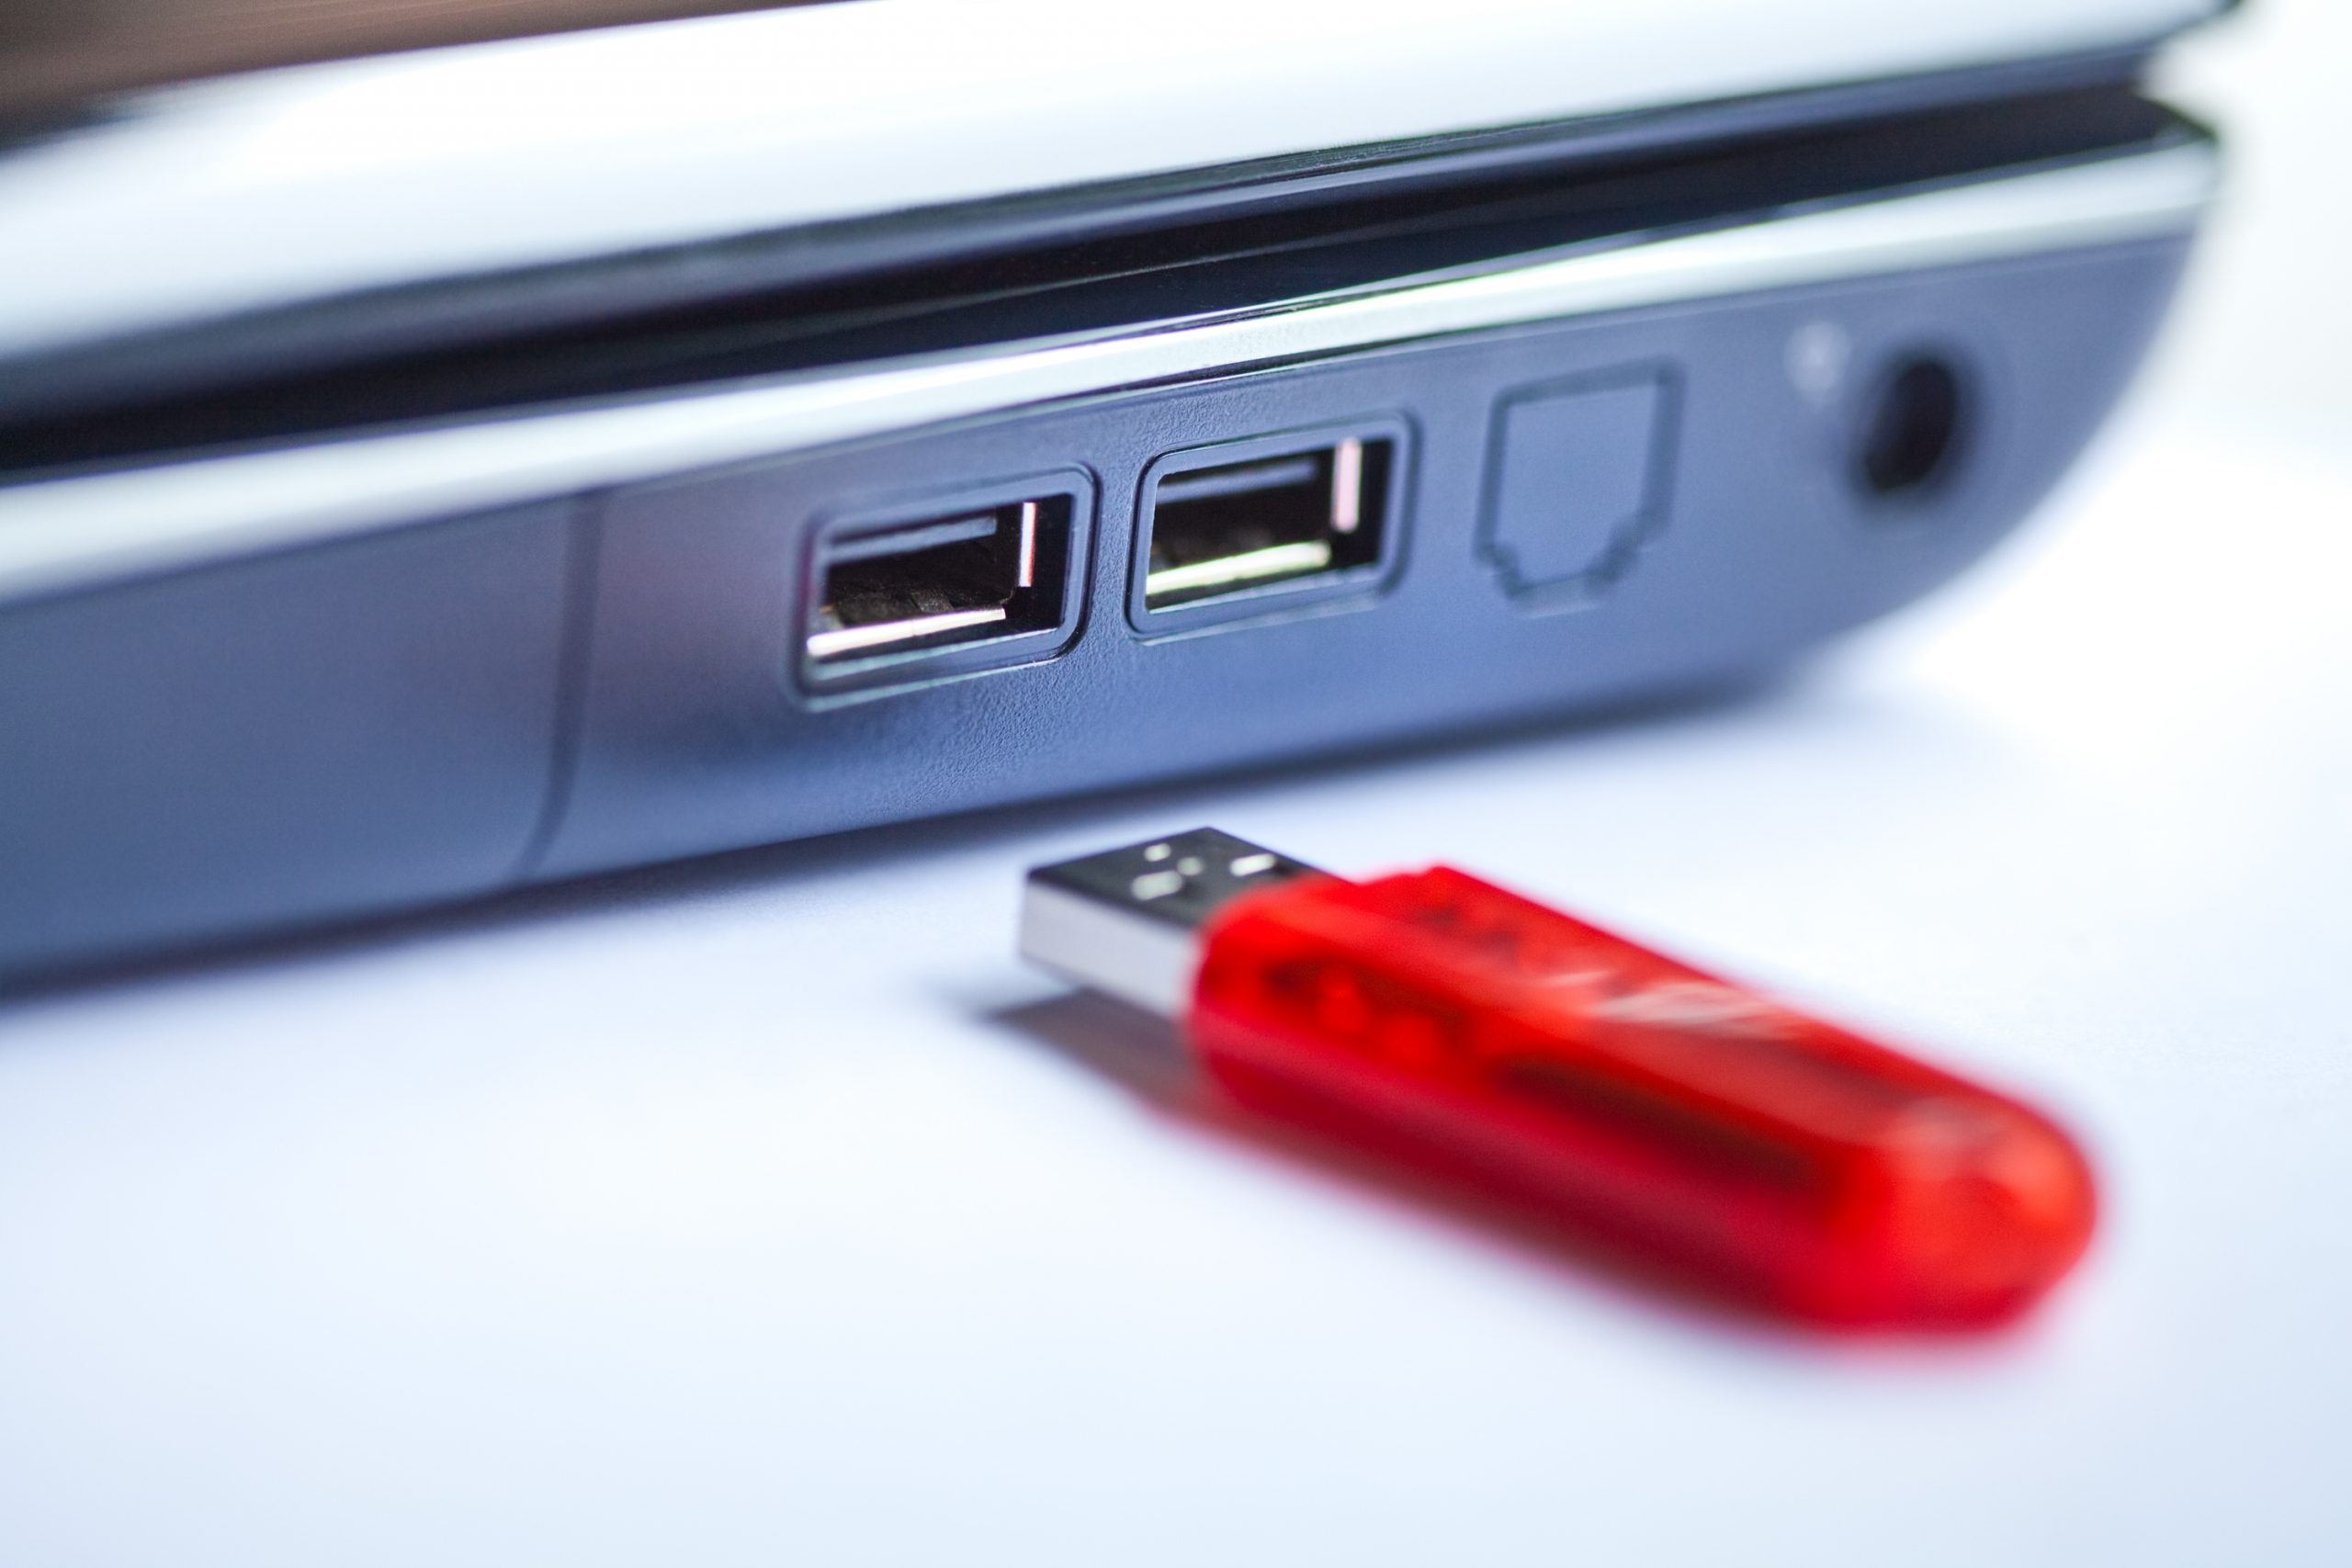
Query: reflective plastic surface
<point x="1692" y="1125"/>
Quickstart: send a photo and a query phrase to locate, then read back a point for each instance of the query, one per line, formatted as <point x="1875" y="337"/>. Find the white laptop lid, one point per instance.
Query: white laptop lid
<point x="280" y="186"/>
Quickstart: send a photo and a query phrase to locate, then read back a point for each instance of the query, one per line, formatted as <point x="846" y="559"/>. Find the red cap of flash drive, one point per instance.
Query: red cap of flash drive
<point x="1690" y="1123"/>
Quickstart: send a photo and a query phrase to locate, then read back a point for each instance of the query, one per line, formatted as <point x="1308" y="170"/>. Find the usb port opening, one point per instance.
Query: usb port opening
<point x="962" y="588"/>
<point x="1276" y="519"/>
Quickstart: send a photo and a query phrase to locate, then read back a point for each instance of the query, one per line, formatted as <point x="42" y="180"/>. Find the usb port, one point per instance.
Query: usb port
<point x="961" y="589"/>
<point x="1276" y="518"/>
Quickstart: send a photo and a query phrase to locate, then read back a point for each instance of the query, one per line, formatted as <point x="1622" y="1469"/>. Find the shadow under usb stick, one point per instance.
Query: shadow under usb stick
<point x="1146" y="1056"/>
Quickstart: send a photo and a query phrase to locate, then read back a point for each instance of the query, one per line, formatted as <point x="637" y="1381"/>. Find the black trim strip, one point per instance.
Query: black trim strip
<point x="845" y="300"/>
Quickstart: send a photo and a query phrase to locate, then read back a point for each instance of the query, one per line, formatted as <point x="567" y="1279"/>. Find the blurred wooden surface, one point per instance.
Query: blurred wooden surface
<point x="55" y="53"/>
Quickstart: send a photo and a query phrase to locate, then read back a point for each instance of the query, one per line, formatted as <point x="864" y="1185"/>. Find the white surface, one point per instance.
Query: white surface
<point x="75" y="531"/>
<point x="293" y="184"/>
<point x="724" y="1217"/>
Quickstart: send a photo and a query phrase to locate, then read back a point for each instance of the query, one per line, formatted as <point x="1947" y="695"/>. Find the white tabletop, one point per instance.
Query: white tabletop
<point x="766" y="1213"/>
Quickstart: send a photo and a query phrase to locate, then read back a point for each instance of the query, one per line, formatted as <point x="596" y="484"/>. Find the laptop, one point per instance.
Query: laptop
<point x="428" y="474"/>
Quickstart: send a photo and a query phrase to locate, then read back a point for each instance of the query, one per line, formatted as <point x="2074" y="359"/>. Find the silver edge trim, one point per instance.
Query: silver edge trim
<point x="1250" y="566"/>
<point x="76" y="532"/>
<point x="882" y="634"/>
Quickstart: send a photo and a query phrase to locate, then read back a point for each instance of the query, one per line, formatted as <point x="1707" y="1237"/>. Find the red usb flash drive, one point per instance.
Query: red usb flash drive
<point x="1438" y="1020"/>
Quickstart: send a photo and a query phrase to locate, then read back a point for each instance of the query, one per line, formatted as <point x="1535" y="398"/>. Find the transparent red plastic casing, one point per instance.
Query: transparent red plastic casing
<point x="1754" y="1150"/>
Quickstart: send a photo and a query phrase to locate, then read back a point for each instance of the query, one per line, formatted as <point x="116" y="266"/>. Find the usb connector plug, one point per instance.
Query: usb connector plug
<point x="1432" y="1017"/>
<point x="1126" y="922"/>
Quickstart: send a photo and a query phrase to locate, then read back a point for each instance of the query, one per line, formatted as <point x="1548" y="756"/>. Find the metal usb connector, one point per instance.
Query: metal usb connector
<point x="1125" y="921"/>
<point x="1284" y="518"/>
<point x="957" y="590"/>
